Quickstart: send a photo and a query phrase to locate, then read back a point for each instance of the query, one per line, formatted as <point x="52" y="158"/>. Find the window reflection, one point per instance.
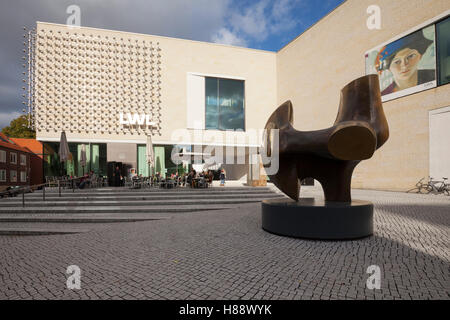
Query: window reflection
<point x="224" y="104"/>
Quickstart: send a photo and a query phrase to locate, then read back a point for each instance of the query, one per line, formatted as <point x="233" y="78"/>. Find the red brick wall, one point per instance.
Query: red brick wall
<point x="8" y="166"/>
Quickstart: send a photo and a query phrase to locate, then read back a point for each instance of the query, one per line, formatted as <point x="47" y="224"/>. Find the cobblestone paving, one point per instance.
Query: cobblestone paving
<point x="226" y="255"/>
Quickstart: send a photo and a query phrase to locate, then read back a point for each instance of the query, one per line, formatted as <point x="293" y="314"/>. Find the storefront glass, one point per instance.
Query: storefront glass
<point x="163" y="161"/>
<point x="95" y="160"/>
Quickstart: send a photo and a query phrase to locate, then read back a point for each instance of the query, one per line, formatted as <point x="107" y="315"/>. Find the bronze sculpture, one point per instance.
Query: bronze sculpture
<point x="329" y="155"/>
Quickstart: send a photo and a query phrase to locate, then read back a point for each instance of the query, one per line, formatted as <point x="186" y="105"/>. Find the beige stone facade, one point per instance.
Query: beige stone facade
<point x="159" y="90"/>
<point x="313" y="68"/>
<point x="309" y="71"/>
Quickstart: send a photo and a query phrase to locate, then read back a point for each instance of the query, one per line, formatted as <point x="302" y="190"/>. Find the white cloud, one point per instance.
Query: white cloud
<point x="282" y="18"/>
<point x="6" y="117"/>
<point x="281" y="8"/>
<point x="256" y="22"/>
<point x="225" y="36"/>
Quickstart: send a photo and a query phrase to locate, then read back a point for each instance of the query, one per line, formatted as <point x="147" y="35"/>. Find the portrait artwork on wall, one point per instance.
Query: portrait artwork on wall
<point x="406" y="65"/>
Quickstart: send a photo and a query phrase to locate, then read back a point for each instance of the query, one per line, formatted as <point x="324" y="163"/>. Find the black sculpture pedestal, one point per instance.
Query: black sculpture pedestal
<point x="318" y="219"/>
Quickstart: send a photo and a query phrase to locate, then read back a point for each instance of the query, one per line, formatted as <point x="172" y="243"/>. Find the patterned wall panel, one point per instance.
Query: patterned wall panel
<point x="84" y="81"/>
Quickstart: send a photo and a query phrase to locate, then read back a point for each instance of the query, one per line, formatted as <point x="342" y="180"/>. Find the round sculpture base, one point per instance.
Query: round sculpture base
<point x="318" y="219"/>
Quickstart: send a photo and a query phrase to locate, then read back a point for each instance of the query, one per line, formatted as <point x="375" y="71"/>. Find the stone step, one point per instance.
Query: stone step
<point x="103" y="219"/>
<point x="124" y="192"/>
<point x="122" y="203"/>
<point x="127" y="197"/>
<point x="120" y="189"/>
<point x="111" y="209"/>
<point x="38" y="231"/>
<point x="134" y="199"/>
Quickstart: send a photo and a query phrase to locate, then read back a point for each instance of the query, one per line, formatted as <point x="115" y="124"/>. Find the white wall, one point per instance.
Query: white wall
<point x="440" y="143"/>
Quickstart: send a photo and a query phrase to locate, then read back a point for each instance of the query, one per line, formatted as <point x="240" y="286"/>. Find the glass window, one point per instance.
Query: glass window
<point x="142" y="165"/>
<point x="13" y="176"/>
<point x="13" y="158"/>
<point x="160" y="160"/>
<point x="52" y="166"/>
<point x="95" y="159"/>
<point x="23" y="176"/>
<point x="3" y="175"/>
<point x="443" y="47"/>
<point x="23" y="160"/>
<point x="3" y="156"/>
<point x="224" y="104"/>
<point x="231" y="104"/>
<point x="211" y="103"/>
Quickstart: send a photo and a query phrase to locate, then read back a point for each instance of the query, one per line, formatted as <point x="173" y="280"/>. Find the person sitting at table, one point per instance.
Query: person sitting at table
<point x="83" y="181"/>
<point x="210" y="176"/>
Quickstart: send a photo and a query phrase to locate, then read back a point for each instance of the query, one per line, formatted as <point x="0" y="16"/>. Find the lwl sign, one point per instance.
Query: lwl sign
<point x="131" y="119"/>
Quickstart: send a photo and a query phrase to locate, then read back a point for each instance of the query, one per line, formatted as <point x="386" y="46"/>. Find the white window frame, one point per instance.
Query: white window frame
<point x="24" y="157"/>
<point x="12" y="177"/>
<point x="195" y="102"/>
<point x="15" y="158"/>
<point x="22" y="175"/>
<point x="2" y="156"/>
<point x="2" y="175"/>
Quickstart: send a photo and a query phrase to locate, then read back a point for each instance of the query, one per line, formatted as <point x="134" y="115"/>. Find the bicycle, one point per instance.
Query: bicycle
<point x="421" y="187"/>
<point x="432" y="186"/>
<point x="438" y="187"/>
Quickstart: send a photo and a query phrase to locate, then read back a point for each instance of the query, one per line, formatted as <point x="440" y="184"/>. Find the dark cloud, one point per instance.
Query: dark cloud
<point x="195" y="19"/>
<point x="262" y="24"/>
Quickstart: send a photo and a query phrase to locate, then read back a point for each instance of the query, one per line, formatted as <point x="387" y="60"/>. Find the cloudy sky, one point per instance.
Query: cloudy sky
<point x="260" y="24"/>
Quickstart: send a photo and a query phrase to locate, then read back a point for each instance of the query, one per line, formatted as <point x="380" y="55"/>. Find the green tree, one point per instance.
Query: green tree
<point x="18" y="128"/>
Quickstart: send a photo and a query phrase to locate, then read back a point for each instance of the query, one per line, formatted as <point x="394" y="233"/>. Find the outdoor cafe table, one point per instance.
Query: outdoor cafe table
<point x="195" y="182"/>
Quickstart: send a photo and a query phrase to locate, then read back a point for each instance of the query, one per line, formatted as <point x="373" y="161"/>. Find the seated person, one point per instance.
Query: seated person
<point x="84" y="181"/>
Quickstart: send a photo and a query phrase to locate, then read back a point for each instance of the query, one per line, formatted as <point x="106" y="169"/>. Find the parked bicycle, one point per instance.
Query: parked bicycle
<point x="431" y="186"/>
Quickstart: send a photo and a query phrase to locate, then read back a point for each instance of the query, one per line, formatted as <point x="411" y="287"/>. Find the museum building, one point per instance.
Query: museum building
<point x="111" y="90"/>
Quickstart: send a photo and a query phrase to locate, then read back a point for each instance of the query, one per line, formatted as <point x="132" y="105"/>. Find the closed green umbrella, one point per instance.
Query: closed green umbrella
<point x="149" y="153"/>
<point x="83" y="156"/>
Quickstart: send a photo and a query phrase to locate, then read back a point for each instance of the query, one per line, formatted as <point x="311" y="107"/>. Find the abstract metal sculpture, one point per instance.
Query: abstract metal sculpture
<point x="329" y="156"/>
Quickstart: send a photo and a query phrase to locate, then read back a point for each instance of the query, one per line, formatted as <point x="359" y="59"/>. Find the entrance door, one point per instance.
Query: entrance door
<point x="440" y="143"/>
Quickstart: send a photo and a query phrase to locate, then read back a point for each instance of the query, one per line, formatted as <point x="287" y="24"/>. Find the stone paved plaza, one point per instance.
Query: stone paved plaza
<point x="224" y="254"/>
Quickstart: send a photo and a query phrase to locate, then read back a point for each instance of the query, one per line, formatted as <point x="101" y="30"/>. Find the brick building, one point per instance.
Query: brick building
<point x="15" y="162"/>
<point x="36" y="158"/>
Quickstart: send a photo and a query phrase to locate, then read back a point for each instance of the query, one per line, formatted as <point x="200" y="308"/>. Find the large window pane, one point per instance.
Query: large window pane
<point x="211" y="103"/>
<point x="443" y="40"/>
<point x="80" y="169"/>
<point x="231" y="104"/>
<point x="95" y="159"/>
<point x="224" y="104"/>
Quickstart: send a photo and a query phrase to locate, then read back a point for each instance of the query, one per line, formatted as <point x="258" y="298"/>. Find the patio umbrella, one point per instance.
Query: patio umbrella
<point x="149" y="152"/>
<point x="63" y="152"/>
<point x="83" y="156"/>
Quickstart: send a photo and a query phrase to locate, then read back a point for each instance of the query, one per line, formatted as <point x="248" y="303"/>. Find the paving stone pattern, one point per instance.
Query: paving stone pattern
<point x="224" y="254"/>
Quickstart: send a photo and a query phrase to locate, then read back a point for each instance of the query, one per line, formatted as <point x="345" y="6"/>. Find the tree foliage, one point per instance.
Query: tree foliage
<point x="18" y="128"/>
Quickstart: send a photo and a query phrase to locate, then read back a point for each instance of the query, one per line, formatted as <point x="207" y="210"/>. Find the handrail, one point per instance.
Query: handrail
<point x="35" y="186"/>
